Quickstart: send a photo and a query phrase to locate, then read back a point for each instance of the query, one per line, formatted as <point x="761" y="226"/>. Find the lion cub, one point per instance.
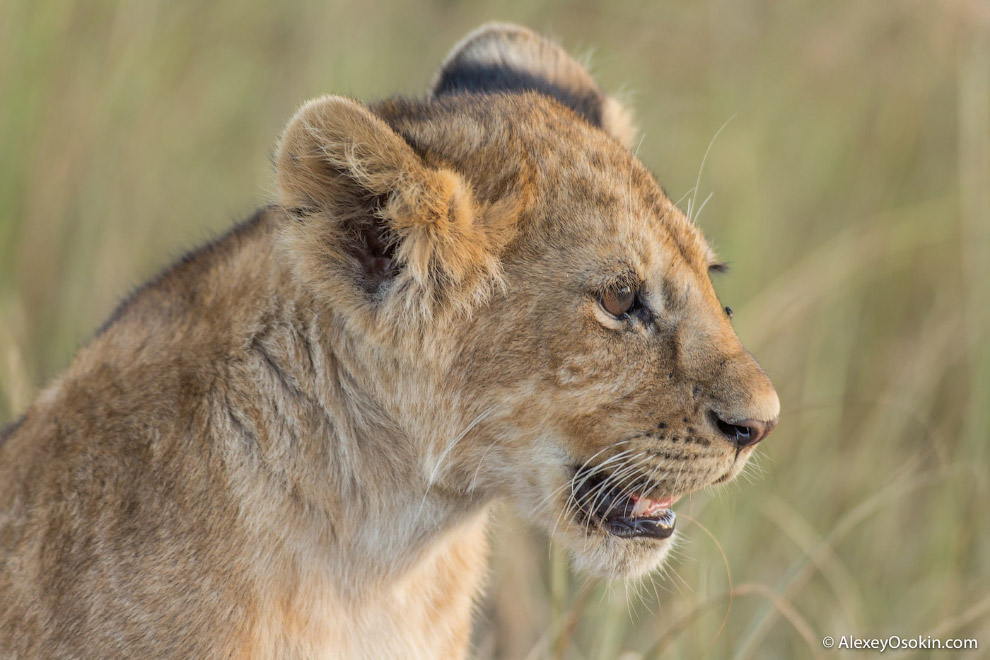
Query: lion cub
<point x="286" y="445"/>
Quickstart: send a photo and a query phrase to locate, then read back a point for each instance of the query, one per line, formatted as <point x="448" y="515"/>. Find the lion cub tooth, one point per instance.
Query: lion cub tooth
<point x="644" y="506"/>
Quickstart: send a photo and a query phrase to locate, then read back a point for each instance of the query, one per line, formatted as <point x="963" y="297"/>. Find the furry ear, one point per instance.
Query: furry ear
<point x="501" y="57"/>
<point x="366" y="201"/>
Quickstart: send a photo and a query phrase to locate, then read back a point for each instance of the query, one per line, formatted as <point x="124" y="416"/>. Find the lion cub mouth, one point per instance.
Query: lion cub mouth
<point x="620" y="511"/>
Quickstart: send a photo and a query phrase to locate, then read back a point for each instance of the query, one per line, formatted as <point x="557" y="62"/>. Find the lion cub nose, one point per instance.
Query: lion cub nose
<point x="745" y="433"/>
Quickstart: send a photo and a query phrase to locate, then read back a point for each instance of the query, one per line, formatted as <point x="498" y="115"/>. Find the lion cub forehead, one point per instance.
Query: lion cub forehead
<point x="634" y="220"/>
<point x="571" y="179"/>
<point x="685" y="239"/>
<point x="630" y="208"/>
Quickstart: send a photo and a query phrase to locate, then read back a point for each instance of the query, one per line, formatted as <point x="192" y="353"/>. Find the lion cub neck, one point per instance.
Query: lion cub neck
<point x="426" y="611"/>
<point x="359" y="542"/>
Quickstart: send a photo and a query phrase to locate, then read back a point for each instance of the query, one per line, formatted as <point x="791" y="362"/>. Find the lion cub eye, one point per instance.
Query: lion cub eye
<point x="618" y="302"/>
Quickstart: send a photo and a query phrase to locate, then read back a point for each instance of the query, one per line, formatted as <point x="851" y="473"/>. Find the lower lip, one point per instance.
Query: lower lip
<point x="660" y="527"/>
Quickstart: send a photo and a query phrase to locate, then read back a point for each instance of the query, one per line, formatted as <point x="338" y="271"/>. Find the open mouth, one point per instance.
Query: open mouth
<point x="620" y="511"/>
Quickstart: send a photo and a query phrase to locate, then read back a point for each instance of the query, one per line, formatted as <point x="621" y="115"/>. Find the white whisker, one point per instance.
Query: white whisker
<point x="436" y="468"/>
<point x="460" y="436"/>
<point x="681" y="199"/>
<point x="697" y="183"/>
<point x="477" y="471"/>
<point x="697" y="214"/>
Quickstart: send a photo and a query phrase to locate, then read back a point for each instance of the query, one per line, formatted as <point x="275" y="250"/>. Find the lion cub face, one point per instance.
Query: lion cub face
<point x="619" y="382"/>
<point x="500" y="247"/>
<point x="626" y="387"/>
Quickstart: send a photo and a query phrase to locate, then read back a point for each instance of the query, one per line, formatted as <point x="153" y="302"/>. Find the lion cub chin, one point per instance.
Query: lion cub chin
<point x="287" y="443"/>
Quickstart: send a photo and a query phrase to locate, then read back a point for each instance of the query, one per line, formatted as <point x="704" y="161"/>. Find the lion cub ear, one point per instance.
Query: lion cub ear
<point x="501" y="57"/>
<point x="367" y="203"/>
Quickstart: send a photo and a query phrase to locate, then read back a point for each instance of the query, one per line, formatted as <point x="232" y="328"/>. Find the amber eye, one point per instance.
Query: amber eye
<point x="618" y="302"/>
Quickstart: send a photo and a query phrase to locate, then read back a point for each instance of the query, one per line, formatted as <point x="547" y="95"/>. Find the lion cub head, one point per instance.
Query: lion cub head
<point x="520" y="299"/>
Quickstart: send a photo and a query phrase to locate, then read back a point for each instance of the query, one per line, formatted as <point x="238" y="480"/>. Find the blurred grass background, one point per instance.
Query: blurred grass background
<point x="851" y="193"/>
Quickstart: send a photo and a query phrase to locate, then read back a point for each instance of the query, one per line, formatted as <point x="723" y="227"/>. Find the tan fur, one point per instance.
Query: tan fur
<point x="287" y="444"/>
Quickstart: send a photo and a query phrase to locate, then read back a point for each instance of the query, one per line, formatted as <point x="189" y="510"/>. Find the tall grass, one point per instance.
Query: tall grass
<point x="851" y="195"/>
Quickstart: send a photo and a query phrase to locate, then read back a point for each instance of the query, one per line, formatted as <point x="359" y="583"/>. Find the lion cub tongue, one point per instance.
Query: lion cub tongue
<point x="644" y="506"/>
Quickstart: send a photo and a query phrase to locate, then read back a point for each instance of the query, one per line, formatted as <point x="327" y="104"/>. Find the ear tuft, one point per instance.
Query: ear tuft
<point x="437" y="218"/>
<point x="507" y="58"/>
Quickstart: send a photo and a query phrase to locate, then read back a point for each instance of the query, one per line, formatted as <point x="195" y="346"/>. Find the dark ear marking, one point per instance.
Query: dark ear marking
<point x="509" y="59"/>
<point x="479" y="78"/>
<point x="718" y="267"/>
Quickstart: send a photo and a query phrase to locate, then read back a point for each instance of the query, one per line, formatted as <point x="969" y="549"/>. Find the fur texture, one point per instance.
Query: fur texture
<point x="287" y="444"/>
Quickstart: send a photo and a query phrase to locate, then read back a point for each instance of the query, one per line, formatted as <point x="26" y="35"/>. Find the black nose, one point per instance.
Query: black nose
<point x="745" y="433"/>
